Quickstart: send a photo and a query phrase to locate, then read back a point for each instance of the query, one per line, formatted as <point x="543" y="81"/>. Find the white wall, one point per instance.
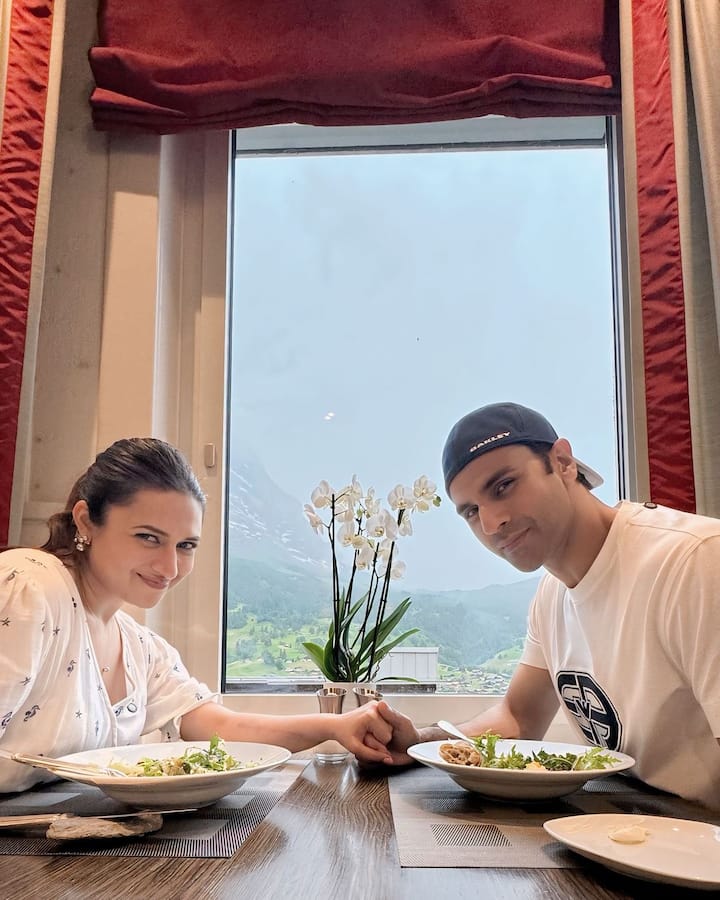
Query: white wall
<point x="129" y="309"/>
<point x="63" y="425"/>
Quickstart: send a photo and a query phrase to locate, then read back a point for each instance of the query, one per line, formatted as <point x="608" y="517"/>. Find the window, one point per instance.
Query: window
<point x="384" y="282"/>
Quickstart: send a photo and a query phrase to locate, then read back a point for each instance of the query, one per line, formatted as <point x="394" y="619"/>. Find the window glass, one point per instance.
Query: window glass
<point x="376" y="298"/>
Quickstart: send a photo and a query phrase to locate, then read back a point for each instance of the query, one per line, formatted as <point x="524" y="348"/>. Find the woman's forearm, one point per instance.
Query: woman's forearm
<point x="293" y="732"/>
<point x="363" y="730"/>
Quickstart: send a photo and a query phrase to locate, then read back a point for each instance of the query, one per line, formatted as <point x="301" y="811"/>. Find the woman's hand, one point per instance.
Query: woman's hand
<point x="404" y="734"/>
<point x="364" y="732"/>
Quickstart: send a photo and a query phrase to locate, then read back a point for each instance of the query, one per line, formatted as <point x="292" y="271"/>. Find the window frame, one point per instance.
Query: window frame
<point x="203" y="203"/>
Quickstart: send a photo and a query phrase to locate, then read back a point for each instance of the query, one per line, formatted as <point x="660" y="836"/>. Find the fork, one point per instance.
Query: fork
<point x="61" y="765"/>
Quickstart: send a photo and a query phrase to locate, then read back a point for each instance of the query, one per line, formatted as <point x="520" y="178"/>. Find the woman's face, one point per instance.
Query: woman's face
<point x="142" y="549"/>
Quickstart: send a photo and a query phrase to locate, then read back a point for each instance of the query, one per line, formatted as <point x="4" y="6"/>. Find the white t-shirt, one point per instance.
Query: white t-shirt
<point x="633" y="649"/>
<point x="52" y="697"/>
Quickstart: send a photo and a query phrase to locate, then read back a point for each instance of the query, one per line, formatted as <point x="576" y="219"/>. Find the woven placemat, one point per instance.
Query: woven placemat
<point x="438" y="824"/>
<point x="210" y="832"/>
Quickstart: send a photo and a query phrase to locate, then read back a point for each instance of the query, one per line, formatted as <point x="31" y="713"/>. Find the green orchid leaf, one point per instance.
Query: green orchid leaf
<point x="349" y="618"/>
<point x="386" y="626"/>
<point x="316" y="654"/>
<point x="382" y="651"/>
<point x="344" y="666"/>
<point x="328" y="667"/>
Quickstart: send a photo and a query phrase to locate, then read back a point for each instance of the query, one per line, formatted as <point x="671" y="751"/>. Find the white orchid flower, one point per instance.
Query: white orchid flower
<point x="347" y="533"/>
<point x="424" y="488"/>
<point x="384" y="548"/>
<point x="344" y="513"/>
<point x="316" y="523"/>
<point x="382" y="525"/>
<point x="401" y="497"/>
<point x="375" y="526"/>
<point x="353" y="492"/>
<point x="390" y="525"/>
<point x="397" y="568"/>
<point x="322" y="495"/>
<point x="405" y="528"/>
<point x="364" y="556"/>
<point x="371" y="503"/>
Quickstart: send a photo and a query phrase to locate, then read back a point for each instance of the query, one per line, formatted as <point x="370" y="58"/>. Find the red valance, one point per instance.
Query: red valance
<point x="168" y="66"/>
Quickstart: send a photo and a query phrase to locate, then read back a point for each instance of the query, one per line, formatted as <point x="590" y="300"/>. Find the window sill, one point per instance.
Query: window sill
<point x="423" y="709"/>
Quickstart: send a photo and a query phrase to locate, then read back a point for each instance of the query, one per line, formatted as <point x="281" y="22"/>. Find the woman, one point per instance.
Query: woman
<point x="79" y="673"/>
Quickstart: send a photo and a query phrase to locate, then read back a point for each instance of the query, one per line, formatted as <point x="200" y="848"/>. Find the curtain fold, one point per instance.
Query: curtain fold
<point x="672" y="130"/>
<point x="695" y="38"/>
<point x="223" y="64"/>
<point x="25" y="75"/>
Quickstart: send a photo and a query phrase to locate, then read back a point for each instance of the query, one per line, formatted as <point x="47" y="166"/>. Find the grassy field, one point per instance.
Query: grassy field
<point x="261" y="649"/>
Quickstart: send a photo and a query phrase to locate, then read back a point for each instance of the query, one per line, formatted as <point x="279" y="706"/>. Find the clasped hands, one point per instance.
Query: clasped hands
<point x="376" y="733"/>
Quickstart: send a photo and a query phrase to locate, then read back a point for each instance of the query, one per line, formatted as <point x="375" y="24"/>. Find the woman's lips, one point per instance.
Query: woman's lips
<point x="158" y="584"/>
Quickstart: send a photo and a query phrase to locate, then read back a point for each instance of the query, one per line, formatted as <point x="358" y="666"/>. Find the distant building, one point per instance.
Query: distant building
<point x="418" y="663"/>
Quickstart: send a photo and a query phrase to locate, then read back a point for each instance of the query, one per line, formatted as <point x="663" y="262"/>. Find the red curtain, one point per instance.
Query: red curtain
<point x="669" y="432"/>
<point x="23" y="130"/>
<point x="168" y="66"/>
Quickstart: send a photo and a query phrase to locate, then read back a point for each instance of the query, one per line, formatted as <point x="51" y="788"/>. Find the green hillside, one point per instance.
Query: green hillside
<point x="271" y="610"/>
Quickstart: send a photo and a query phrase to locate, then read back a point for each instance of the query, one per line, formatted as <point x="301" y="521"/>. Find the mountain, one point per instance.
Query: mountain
<point x="470" y="627"/>
<point x="267" y="525"/>
<point x="279" y="573"/>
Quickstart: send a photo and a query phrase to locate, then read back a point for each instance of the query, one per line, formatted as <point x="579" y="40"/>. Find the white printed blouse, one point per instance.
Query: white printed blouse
<point x="52" y="697"/>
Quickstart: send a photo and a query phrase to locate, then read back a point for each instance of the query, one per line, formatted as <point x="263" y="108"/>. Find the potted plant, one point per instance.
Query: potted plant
<point x="361" y="631"/>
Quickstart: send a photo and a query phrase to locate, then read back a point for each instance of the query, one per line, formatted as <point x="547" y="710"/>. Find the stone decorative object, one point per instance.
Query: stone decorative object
<point x="80" y="827"/>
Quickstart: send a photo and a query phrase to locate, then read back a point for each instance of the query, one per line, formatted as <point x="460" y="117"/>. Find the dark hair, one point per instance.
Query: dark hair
<point x="118" y="473"/>
<point x="541" y="449"/>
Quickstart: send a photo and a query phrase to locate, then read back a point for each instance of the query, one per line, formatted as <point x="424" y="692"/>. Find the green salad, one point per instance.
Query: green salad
<point x="194" y="761"/>
<point x="485" y="744"/>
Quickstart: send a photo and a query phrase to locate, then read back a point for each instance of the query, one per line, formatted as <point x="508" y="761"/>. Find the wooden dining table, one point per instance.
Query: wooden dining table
<point x="329" y="836"/>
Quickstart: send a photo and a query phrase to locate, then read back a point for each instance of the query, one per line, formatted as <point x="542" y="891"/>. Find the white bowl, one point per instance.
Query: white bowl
<point x="175" y="791"/>
<point x="518" y="784"/>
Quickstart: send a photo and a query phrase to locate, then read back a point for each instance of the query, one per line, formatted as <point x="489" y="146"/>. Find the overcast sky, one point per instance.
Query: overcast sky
<point x="378" y="298"/>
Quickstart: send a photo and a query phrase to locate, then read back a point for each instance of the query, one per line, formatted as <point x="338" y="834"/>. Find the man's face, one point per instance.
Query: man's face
<point x="515" y="507"/>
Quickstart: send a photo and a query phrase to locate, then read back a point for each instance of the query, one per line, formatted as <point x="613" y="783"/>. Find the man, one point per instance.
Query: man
<point x="624" y="627"/>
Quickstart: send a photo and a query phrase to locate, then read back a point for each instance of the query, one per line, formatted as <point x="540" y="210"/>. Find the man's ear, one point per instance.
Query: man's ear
<point x="81" y="517"/>
<point x="562" y="456"/>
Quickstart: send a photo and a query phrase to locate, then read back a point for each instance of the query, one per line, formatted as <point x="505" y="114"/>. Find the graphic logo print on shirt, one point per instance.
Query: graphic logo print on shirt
<point x="592" y="708"/>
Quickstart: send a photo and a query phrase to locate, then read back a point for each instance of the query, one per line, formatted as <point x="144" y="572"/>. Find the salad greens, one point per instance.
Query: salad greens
<point x="485" y="744"/>
<point x="194" y="761"/>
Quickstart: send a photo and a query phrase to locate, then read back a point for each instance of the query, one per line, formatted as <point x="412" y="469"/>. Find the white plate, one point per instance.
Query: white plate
<point x="518" y="784"/>
<point x="676" y="851"/>
<point x="175" y="791"/>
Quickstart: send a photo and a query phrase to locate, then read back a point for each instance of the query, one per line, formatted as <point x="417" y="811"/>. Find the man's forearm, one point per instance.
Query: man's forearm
<point x="432" y="733"/>
<point x="436" y="733"/>
<point x="495" y="719"/>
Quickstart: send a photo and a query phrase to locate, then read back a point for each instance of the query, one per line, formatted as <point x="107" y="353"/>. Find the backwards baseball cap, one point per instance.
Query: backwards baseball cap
<point x="498" y="425"/>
